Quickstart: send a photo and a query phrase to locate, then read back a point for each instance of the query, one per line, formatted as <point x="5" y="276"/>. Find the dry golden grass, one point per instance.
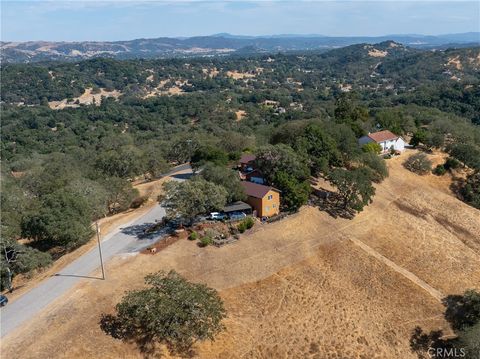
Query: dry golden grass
<point x="87" y="98"/>
<point x="377" y="53"/>
<point x="239" y="75"/>
<point x="240" y="114"/>
<point x="301" y="287"/>
<point x="455" y="62"/>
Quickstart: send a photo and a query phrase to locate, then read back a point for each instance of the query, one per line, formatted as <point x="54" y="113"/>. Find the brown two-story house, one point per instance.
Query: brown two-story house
<point x="246" y="162"/>
<point x="265" y="200"/>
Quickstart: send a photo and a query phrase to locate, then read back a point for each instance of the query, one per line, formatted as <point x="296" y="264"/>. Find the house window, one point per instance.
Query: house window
<point x="270" y="197"/>
<point x="267" y="208"/>
<point x="274" y="206"/>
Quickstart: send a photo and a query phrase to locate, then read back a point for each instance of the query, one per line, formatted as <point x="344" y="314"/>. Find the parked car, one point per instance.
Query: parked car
<point x="217" y="216"/>
<point x="3" y="300"/>
<point x="236" y="216"/>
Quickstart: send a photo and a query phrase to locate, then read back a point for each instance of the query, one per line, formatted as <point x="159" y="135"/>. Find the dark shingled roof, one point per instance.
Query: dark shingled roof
<point x="256" y="190"/>
<point x="247" y="158"/>
<point x="237" y="206"/>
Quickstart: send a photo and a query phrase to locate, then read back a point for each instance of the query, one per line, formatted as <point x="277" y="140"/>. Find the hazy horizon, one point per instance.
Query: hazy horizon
<point x="249" y="36"/>
<point x="128" y="20"/>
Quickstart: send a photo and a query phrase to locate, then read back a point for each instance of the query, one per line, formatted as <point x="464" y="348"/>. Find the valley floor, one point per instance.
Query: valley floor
<point x="309" y="286"/>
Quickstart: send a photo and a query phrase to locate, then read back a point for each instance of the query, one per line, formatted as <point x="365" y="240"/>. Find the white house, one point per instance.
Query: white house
<point x="386" y="139"/>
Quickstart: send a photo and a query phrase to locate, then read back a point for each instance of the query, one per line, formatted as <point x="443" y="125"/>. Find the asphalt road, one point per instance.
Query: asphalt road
<point x="123" y="240"/>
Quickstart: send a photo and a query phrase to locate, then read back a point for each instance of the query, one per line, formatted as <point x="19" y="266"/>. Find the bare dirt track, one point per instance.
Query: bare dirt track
<point x="299" y="288"/>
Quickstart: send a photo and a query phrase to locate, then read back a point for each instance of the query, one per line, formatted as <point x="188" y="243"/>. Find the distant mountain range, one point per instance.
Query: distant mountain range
<point x="218" y="44"/>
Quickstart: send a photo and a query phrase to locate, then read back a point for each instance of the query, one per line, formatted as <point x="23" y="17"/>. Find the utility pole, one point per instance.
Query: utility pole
<point x="100" y="250"/>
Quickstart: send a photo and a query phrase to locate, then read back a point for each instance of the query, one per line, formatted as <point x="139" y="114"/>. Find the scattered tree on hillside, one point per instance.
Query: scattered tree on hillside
<point x="120" y="194"/>
<point x="154" y="163"/>
<point x="354" y="187"/>
<point x="124" y="163"/>
<point x="16" y="258"/>
<point x="372" y="147"/>
<point x="463" y="314"/>
<point x="182" y="150"/>
<point x="346" y="141"/>
<point x="209" y="154"/>
<point x="471" y="190"/>
<point x="226" y="178"/>
<point x="418" y="163"/>
<point x="418" y="137"/>
<point x="170" y="311"/>
<point x="467" y="153"/>
<point x="63" y="220"/>
<point x="275" y="158"/>
<point x="186" y="200"/>
<point x="348" y="111"/>
<point x="376" y="164"/>
<point x="94" y="193"/>
<point x="320" y="149"/>
<point x="463" y="310"/>
<point x="294" y="193"/>
<point x="429" y="139"/>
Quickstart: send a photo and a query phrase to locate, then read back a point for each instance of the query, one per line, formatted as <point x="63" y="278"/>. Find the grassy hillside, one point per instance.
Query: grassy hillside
<point x="75" y="135"/>
<point x="302" y="286"/>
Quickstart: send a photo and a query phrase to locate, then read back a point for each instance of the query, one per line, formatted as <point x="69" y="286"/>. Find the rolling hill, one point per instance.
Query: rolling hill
<point x="220" y="44"/>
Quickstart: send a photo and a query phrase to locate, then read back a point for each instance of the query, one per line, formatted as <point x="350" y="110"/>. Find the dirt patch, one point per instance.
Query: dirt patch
<point x="240" y="75"/>
<point x="161" y="89"/>
<point x="213" y="72"/>
<point x="87" y="98"/>
<point x="377" y="53"/>
<point x="240" y="114"/>
<point x="455" y="62"/>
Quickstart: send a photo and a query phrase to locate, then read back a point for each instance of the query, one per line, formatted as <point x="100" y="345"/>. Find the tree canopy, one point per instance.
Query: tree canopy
<point x="355" y="187"/>
<point x="169" y="311"/>
<point x="188" y="199"/>
<point x="225" y="177"/>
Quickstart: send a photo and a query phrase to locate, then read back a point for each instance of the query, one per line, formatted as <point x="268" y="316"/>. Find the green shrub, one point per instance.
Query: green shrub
<point x="138" y="202"/>
<point x="452" y="163"/>
<point x="439" y="170"/>
<point x="193" y="236"/>
<point x="471" y="190"/>
<point x="372" y="147"/>
<point x="245" y="224"/>
<point x="206" y="241"/>
<point x="418" y="163"/>
<point x="242" y="227"/>
<point x="377" y="165"/>
<point x="387" y="156"/>
<point x="249" y="222"/>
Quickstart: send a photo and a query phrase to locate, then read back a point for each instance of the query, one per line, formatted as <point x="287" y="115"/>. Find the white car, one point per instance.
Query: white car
<point x="217" y="216"/>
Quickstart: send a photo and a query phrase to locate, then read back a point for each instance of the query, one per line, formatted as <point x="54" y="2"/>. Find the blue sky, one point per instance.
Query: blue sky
<point x="124" y="20"/>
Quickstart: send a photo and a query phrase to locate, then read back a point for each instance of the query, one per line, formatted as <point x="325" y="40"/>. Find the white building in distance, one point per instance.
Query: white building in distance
<point x="386" y="139"/>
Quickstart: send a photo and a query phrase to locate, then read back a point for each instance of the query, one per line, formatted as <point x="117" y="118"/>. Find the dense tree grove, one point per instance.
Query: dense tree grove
<point x="301" y="114"/>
